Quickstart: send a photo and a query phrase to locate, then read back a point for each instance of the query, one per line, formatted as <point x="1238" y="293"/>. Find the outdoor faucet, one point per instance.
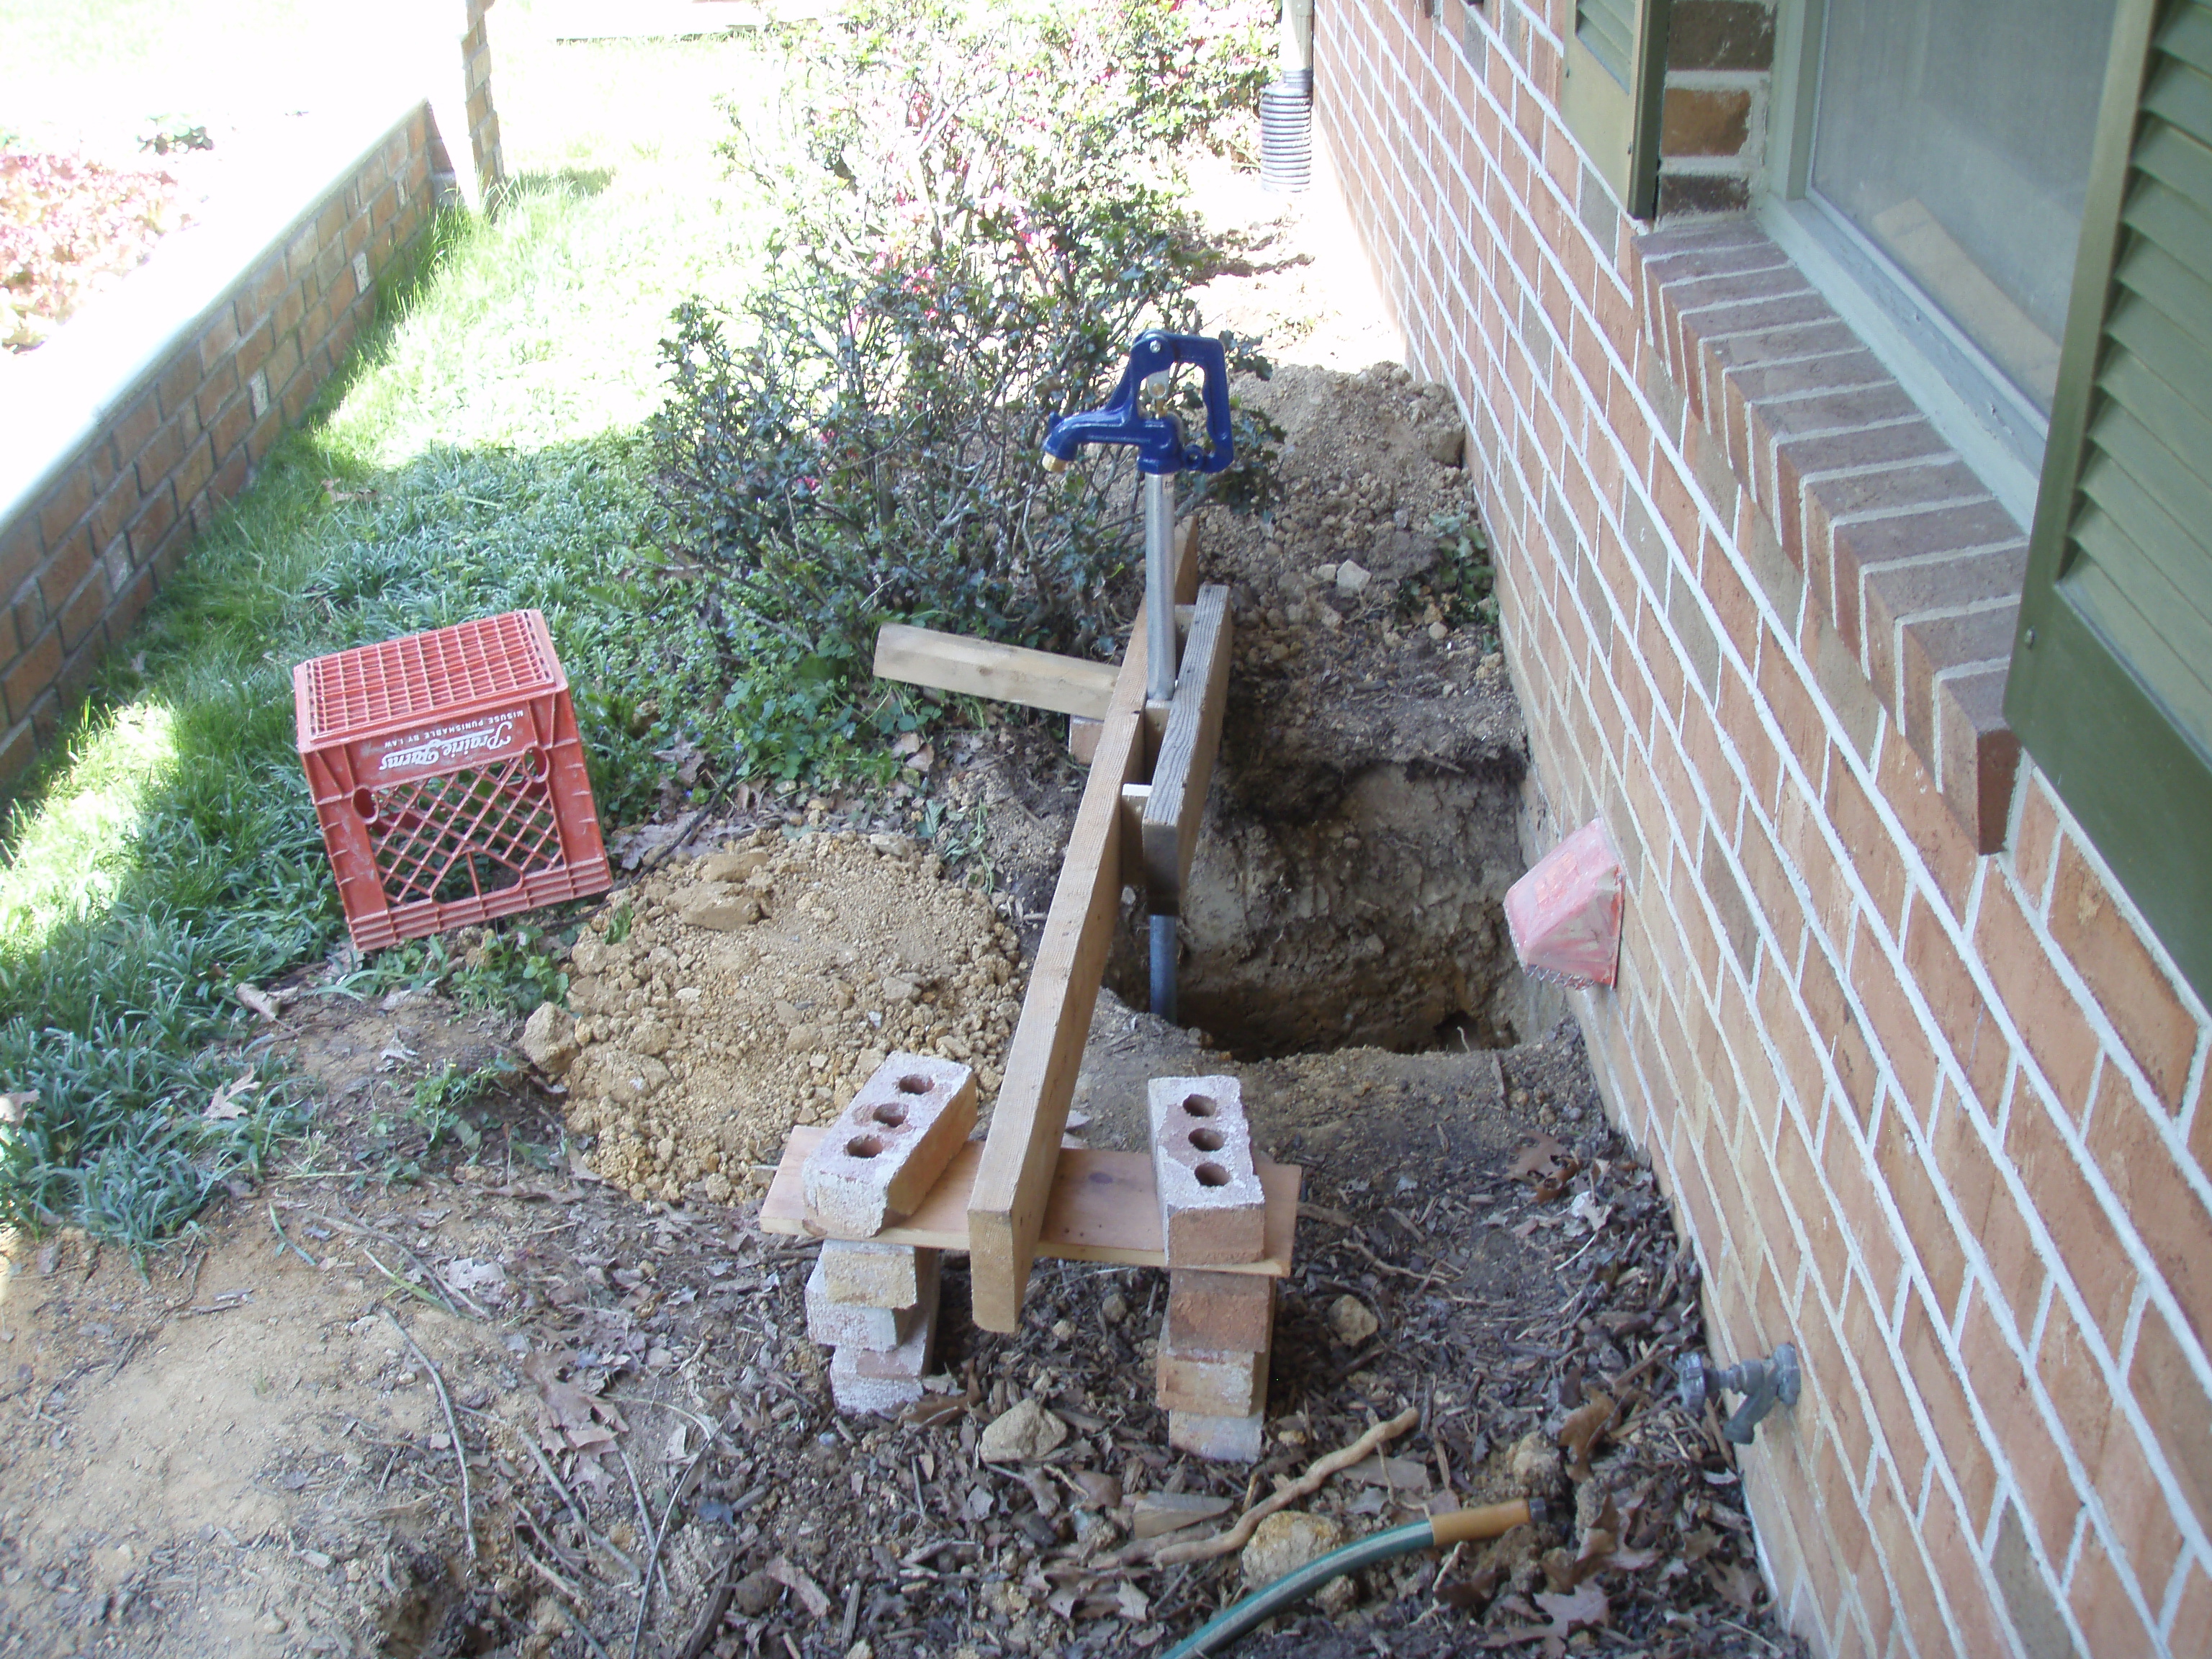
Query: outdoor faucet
<point x="1764" y="1383"/>
<point x="1161" y="452"/>
<point x="1157" y="439"/>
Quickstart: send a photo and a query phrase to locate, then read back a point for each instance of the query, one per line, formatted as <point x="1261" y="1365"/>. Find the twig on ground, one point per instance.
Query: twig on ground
<point x="545" y="1468"/>
<point x="582" y="1630"/>
<point x="697" y="1421"/>
<point x="228" y="1301"/>
<point x="644" y="1515"/>
<point x="438" y="1287"/>
<point x="408" y="1286"/>
<point x="709" y="1624"/>
<point x="1425" y="1279"/>
<point x="548" y="1575"/>
<point x="453" y="1427"/>
<point x="1222" y="1543"/>
<point x="676" y="1494"/>
<point x="1657" y="1353"/>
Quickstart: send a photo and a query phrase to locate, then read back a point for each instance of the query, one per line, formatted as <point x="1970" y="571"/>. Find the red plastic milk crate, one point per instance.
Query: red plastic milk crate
<point x="449" y="778"/>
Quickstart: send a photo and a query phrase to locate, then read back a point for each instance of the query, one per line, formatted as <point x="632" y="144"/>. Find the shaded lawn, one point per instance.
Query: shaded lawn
<point x="489" y="431"/>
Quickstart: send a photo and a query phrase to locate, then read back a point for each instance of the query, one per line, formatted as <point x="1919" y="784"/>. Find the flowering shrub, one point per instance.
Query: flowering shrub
<point x="69" y="228"/>
<point x="973" y="227"/>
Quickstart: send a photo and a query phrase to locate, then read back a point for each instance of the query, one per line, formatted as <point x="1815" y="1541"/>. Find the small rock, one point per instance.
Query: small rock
<point x="1438" y="631"/>
<point x="732" y="866"/>
<point x="1022" y="1434"/>
<point x="718" y="910"/>
<point x="1114" y="1307"/>
<point x="899" y="990"/>
<point x="1447" y="445"/>
<point x="1534" y="1462"/>
<point x="1327" y="572"/>
<point x="270" y="1623"/>
<point x="1352" y="1320"/>
<point x="549" y="1039"/>
<point x="753" y="1593"/>
<point x="1287" y="1540"/>
<point x="1351" y="577"/>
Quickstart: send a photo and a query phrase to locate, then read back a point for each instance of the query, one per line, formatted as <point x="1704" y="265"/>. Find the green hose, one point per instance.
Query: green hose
<point x="1460" y="1526"/>
<point x="1226" y="1626"/>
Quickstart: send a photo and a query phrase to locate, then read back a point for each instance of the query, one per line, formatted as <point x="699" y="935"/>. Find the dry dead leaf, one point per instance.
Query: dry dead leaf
<point x="1582" y="1429"/>
<point x="566" y="1413"/>
<point x="1403" y="1473"/>
<point x="256" y="1000"/>
<point x="1735" y="1583"/>
<point x="1156" y="1512"/>
<point x="1587" y="1209"/>
<point x="339" y="497"/>
<point x="1133" y="1602"/>
<point x="1541" y="1156"/>
<point x="796" y="1581"/>
<point x="1583" y="1605"/>
<point x="229" y="1101"/>
<point x="12" y="1106"/>
<point x="935" y="1409"/>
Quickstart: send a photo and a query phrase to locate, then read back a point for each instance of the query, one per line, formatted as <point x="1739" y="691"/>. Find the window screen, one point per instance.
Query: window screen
<point x="1955" y="136"/>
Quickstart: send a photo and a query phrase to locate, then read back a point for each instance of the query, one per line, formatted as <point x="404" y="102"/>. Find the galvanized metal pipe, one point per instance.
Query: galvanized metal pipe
<point x="1159" y="587"/>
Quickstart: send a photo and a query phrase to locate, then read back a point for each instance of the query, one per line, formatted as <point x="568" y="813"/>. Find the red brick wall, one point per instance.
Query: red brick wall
<point x="81" y="560"/>
<point x="1927" y="1095"/>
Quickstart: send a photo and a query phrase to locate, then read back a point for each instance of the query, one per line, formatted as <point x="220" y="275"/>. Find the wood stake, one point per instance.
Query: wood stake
<point x="1007" y="1206"/>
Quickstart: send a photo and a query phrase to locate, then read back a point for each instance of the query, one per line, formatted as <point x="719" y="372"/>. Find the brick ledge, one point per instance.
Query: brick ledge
<point x="1908" y="560"/>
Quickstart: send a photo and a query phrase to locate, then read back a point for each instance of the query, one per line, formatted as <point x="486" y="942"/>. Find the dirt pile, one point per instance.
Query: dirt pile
<point x="724" y="1000"/>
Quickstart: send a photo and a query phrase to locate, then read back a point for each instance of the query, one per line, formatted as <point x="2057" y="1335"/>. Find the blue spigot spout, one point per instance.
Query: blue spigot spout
<point x="1157" y="439"/>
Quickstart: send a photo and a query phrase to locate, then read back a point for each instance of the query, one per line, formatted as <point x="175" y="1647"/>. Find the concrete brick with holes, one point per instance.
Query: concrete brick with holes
<point x="1924" y="1088"/>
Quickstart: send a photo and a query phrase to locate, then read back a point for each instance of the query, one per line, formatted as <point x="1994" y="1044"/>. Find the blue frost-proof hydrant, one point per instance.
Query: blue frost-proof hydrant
<point x="1161" y="452"/>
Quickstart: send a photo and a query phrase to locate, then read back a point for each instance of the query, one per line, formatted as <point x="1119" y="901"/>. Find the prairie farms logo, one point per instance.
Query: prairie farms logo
<point x="445" y="745"/>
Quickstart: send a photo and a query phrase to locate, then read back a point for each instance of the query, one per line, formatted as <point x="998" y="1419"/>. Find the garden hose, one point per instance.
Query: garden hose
<point x="1437" y="1532"/>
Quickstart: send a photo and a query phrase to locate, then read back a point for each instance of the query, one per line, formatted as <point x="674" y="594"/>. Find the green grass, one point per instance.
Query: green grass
<point x="489" y="428"/>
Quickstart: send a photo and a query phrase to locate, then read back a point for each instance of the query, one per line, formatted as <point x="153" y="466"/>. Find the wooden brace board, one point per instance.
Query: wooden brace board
<point x="984" y="668"/>
<point x="1103" y="1208"/>
<point x="1184" y="769"/>
<point x="1014" y="1178"/>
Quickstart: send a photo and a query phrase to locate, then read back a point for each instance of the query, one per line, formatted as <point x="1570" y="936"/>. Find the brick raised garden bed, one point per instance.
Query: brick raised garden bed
<point x="123" y="434"/>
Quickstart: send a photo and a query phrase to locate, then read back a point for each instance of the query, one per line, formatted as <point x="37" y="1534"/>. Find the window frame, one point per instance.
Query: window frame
<point x="1995" y="430"/>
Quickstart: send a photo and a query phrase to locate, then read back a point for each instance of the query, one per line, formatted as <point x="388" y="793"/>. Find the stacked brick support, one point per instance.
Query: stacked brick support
<point x="82" y="557"/>
<point x="1926" y="1095"/>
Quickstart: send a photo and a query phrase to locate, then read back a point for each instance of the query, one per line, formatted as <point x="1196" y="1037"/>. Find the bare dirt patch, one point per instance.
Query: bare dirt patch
<point x="734" y="995"/>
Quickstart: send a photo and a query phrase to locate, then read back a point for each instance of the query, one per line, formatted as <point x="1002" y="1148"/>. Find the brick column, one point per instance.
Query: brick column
<point x="466" y="158"/>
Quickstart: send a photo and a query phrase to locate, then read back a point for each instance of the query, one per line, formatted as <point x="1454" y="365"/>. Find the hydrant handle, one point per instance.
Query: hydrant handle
<point x="1157" y="439"/>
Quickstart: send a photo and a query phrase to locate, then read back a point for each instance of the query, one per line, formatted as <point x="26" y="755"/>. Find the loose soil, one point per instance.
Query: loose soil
<point x="248" y="1446"/>
<point x="758" y="987"/>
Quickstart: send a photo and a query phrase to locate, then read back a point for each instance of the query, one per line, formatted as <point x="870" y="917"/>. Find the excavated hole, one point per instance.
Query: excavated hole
<point x="1350" y="910"/>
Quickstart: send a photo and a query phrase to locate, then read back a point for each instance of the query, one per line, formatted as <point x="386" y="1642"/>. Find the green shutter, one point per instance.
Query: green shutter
<point x="2110" y="687"/>
<point x="1615" y="74"/>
